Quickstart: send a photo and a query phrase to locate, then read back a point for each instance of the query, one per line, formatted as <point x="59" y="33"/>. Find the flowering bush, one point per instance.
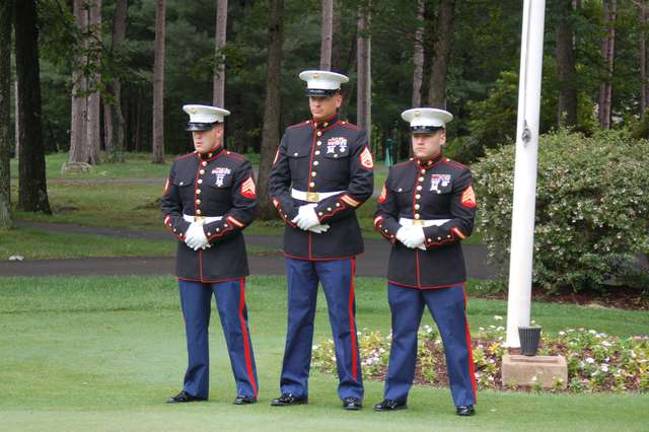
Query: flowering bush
<point x="592" y="209"/>
<point x="596" y="362"/>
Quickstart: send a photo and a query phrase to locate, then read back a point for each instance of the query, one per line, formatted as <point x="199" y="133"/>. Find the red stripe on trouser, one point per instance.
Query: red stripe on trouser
<point x="246" y="337"/>
<point x="469" y="347"/>
<point x="352" y="325"/>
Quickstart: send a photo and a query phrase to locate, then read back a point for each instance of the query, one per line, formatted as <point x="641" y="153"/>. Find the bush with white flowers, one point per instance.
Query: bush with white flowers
<point x="592" y="210"/>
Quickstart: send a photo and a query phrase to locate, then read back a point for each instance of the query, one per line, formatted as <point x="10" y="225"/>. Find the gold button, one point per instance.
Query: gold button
<point x="385" y="230"/>
<point x="336" y="155"/>
<point x="319" y="133"/>
<point x="209" y="234"/>
<point x="201" y="172"/>
<point x="419" y="188"/>
<point x="337" y="204"/>
<point x="317" y="152"/>
<point x="421" y="179"/>
<point x="316" y="163"/>
<point x="209" y="155"/>
<point x="328" y="208"/>
<point x="198" y="191"/>
<point x="296" y="154"/>
<point x="429" y="240"/>
<point x="198" y="201"/>
<point x="418" y="196"/>
<point x="325" y="124"/>
<point x="225" y="225"/>
<point x="200" y="181"/>
<point x="439" y="238"/>
<point x="319" y="143"/>
<point x="417" y="206"/>
<point x="218" y="229"/>
<point x="417" y="216"/>
<point x="198" y="211"/>
<point x="400" y="190"/>
<point x="423" y="171"/>
<point x="204" y="163"/>
<point x="448" y="236"/>
<point x="313" y="173"/>
<point x="320" y="213"/>
<point x="312" y="184"/>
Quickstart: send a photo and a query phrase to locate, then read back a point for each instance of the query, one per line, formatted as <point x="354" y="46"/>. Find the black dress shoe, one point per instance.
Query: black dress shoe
<point x="183" y="397"/>
<point x="465" y="411"/>
<point x="244" y="400"/>
<point x="352" y="404"/>
<point x="390" y="405"/>
<point x="289" y="399"/>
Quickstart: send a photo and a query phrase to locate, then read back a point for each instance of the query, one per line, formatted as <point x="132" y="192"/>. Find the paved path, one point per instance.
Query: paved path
<point x="372" y="263"/>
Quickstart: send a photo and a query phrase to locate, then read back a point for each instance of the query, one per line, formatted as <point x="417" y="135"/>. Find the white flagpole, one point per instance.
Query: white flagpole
<point x="527" y="142"/>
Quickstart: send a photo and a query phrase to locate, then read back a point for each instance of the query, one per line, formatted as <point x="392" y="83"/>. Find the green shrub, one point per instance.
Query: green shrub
<point x="592" y="209"/>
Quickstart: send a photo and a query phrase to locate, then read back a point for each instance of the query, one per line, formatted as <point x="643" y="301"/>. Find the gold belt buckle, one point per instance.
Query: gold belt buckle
<point x="313" y="197"/>
<point x="199" y="219"/>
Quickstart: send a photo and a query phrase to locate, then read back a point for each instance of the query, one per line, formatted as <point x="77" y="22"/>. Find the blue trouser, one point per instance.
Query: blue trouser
<point x="337" y="278"/>
<point x="447" y="306"/>
<point x="195" y="299"/>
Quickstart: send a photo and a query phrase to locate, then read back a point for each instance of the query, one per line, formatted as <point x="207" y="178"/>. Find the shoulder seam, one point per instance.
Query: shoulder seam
<point x="184" y="156"/>
<point x="304" y="123"/>
<point x="348" y="125"/>
<point x="454" y="163"/>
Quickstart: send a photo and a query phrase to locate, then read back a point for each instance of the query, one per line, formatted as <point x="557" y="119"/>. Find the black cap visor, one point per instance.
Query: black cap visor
<point x="200" y="127"/>
<point x="320" y="92"/>
<point x="425" y="129"/>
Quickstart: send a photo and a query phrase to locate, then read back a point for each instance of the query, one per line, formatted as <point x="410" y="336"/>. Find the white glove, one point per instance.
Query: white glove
<point x="306" y="217"/>
<point x="412" y="237"/>
<point x="401" y="234"/>
<point x="195" y="237"/>
<point x="319" y="229"/>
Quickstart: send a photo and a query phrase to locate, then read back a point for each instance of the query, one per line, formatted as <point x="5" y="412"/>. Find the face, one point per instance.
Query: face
<point x="207" y="141"/>
<point x="427" y="146"/>
<point x="324" y="107"/>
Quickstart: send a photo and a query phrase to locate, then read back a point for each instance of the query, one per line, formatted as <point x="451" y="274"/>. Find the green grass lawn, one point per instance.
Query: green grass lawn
<point x="123" y="196"/>
<point x="38" y="244"/>
<point x="102" y="354"/>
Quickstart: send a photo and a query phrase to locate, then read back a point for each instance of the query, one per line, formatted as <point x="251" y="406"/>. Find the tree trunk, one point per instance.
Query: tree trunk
<point x="326" y="34"/>
<point x="138" y="124"/>
<point x="16" y="123"/>
<point x="272" y="108"/>
<point x="93" y="131"/>
<point x="442" y="50"/>
<point x="642" y="56"/>
<point x="6" y="14"/>
<point x="364" y="73"/>
<point x="219" y="67"/>
<point x="114" y="117"/>
<point x="158" y="84"/>
<point x="608" y="55"/>
<point x="108" y="125"/>
<point x="32" y="192"/>
<point x="565" y="52"/>
<point x="418" y="55"/>
<point x="78" y="148"/>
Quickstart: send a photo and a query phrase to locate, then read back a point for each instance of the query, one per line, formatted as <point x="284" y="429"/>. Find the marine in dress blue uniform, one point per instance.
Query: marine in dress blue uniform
<point x="322" y="172"/>
<point x="426" y="208"/>
<point x="209" y="198"/>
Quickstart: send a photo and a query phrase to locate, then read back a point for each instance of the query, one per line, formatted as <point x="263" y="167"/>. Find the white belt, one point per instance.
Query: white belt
<point x="202" y="219"/>
<point x="422" y="222"/>
<point x="313" y="197"/>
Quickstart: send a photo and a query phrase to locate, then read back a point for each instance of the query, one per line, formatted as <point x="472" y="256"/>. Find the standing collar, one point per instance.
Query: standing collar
<point x="326" y="122"/>
<point x="431" y="162"/>
<point x="210" y="155"/>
